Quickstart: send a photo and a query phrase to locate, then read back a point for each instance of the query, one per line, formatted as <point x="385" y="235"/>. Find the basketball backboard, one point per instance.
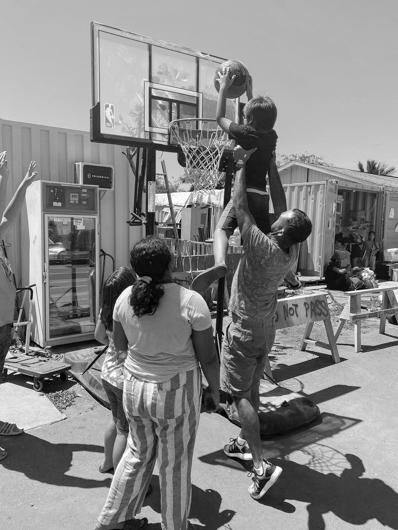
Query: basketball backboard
<point x="139" y="85"/>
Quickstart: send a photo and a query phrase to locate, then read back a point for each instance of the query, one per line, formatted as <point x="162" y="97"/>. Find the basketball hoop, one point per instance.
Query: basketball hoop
<point x="203" y="143"/>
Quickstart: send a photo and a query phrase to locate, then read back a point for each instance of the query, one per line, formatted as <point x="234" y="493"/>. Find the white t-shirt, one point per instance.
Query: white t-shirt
<point x="160" y="345"/>
<point x="7" y="293"/>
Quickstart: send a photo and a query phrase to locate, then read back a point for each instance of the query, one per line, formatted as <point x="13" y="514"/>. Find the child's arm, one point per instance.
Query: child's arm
<point x="119" y="337"/>
<point x="100" y="332"/>
<point x="276" y="190"/>
<point x="225" y="81"/>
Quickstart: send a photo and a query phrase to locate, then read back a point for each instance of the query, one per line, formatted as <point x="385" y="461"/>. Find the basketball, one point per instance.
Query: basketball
<point x="240" y="72"/>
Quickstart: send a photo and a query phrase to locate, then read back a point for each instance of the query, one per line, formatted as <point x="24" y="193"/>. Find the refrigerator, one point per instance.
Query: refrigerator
<point x="63" y="221"/>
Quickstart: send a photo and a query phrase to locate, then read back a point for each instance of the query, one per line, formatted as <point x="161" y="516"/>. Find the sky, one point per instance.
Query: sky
<point x="331" y="66"/>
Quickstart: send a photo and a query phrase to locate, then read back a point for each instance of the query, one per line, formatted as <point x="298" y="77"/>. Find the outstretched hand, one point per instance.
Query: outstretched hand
<point x="3" y="164"/>
<point x="31" y="174"/>
<point x="225" y="79"/>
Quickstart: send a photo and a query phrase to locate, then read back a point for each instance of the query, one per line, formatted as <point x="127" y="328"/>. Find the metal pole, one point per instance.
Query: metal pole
<point x="229" y="172"/>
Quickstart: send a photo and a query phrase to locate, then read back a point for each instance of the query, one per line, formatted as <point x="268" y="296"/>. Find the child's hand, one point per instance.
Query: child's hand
<point x="225" y="80"/>
<point x="3" y="164"/>
<point x="31" y="174"/>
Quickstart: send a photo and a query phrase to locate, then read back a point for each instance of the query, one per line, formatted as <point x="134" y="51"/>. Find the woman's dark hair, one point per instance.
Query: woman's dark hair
<point x="150" y="259"/>
<point x="114" y="285"/>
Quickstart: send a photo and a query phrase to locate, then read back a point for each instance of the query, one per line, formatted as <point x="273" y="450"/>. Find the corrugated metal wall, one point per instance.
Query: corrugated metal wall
<point x="56" y="150"/>
<point x="363" y="201"/>
<point x="318" y="200"/>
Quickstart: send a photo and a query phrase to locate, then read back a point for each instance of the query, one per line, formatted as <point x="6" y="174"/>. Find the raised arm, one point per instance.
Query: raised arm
<point x="3" y="181"/>
<point x="225" y="80"/>
<point x="243" y="215"/>
<point x="10" y="214"/>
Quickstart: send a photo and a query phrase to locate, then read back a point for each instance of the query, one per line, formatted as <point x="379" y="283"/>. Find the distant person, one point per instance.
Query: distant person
<point x="167" y="332"/>
<point x="338" y="271"/>
<point x="258" y="134"/>
<point x="8" y="218"/>
<point x="371" y="248"/>
<point x="250" y="335"/>
<point x="112" y="374"/>
<point x="357" y="249"/>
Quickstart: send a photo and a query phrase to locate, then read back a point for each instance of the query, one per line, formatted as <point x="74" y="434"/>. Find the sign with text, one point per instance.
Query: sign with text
<point x="302" y="309"/>
<point x="96" y="174"/>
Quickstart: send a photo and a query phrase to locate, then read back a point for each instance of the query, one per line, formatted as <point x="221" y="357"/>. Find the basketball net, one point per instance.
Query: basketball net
<point x="203" y="142"/>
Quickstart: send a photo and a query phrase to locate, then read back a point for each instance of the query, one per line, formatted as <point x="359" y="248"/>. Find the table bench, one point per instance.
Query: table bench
<point x="353" y="312"/>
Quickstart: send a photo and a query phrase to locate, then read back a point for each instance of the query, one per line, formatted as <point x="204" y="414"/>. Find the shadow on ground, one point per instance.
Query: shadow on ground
<point x="49" y="463"/>
<point x="327" y="481"/>
<point x="205" y="507"/>
<point x="281" y="371"/>
<point x="350" y="496"/>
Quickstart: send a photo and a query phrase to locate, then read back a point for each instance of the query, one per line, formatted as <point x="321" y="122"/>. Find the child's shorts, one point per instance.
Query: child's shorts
<point x="259" y="208"/>
<point x="115" y="397"/>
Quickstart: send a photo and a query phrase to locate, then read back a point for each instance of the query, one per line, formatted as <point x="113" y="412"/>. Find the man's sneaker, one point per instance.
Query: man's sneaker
<point x="235" y="450"/>
<point x="262" y="483"/>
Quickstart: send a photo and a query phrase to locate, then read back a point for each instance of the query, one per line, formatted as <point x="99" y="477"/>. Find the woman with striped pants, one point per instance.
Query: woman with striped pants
<point x="168" y="335"/>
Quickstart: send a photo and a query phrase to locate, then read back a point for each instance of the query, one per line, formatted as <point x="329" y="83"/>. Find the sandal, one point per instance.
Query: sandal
<point x="9" y="429"/>
<point x="3" y="453"/>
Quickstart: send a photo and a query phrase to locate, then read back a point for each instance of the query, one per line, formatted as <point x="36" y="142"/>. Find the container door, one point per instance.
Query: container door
<point x="390" y="239"/>
<point x="71" y="279"/>
<point x="329" y="222"/>
<point x="318" y="200"/>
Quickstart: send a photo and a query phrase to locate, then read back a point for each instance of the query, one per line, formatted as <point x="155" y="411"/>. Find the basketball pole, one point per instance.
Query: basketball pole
<point x="229" y="172"/>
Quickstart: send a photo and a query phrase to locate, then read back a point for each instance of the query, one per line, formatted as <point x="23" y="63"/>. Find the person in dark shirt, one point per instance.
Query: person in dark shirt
<point x="258" y="137"/>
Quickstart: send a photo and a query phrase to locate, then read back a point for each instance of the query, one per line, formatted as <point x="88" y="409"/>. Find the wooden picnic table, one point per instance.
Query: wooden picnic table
<point x="355" y="312"/>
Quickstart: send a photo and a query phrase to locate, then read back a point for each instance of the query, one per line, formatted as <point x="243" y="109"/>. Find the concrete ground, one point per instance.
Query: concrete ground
<point x="339" y="473"/>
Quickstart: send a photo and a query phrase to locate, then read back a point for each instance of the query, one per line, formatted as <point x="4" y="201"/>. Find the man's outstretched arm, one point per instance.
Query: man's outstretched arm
<point x="243" y="215"/>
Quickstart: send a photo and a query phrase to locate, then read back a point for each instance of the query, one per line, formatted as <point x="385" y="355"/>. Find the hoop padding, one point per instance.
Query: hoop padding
<point x="203" y="143"/>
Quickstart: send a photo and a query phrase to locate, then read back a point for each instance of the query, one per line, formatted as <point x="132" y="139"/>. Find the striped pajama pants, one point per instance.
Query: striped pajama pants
<point x="163" y="420"/>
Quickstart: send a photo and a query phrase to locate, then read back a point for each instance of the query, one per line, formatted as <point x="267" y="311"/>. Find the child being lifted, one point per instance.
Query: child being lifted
<point x="256" y="134"/>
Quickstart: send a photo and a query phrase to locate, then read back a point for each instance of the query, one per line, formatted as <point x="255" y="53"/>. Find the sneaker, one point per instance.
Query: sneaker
<point x="262" y="483"/>
<point x="207" y="277"/>
<point x="235" y="450"/>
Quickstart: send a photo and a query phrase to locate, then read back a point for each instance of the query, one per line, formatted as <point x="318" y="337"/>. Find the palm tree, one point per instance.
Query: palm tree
<point x="376" y="168"/>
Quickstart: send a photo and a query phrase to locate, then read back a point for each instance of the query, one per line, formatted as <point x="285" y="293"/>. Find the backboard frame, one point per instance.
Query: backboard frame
<point x="176" y="100"/>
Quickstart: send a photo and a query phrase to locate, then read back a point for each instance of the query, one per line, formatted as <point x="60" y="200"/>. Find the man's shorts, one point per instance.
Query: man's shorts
<point x="259" y="208"/>
<point x="245" y="349"/>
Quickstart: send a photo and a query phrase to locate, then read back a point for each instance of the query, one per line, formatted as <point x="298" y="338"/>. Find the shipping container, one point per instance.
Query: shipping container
<point x="361" y="202"/>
